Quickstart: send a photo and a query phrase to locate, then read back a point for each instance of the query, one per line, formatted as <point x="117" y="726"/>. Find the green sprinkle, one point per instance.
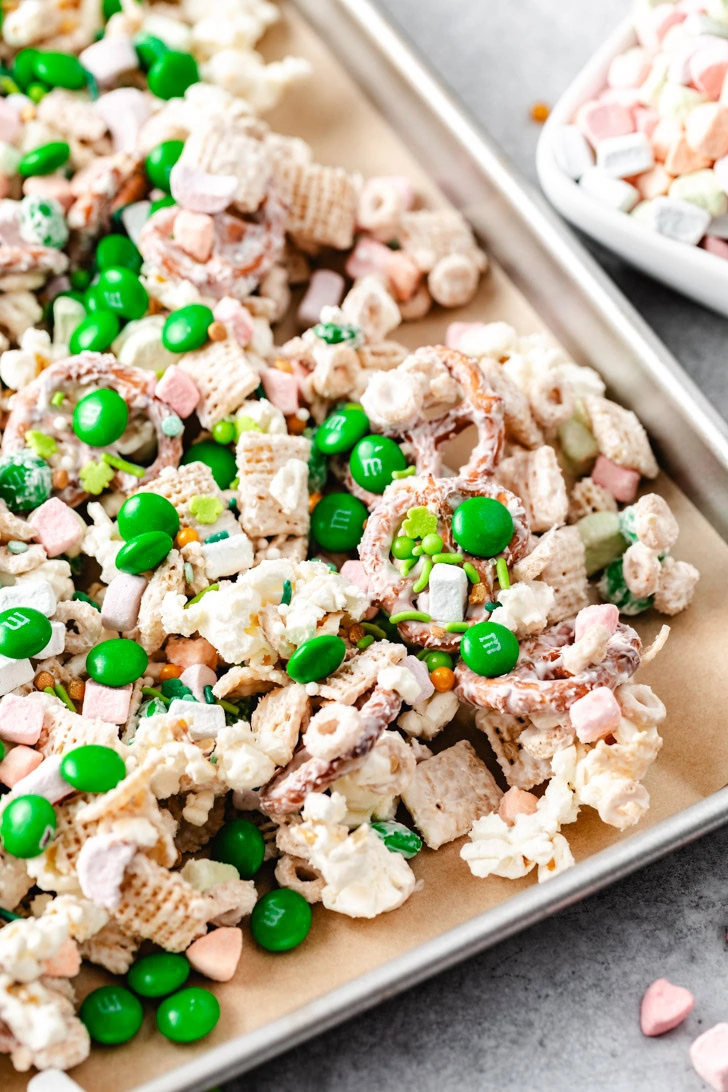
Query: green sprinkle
<point x="206" y="509"/>
<point x="423" y="653"/>
<point x="151" y="692"/>
<point x="471" y="572"/>
<point x="198" y="597"/>
<point x="83" y="598"/>
<point x="15" y="547"/>
<point x="365" y="642"/>
<point x="122" y="464"/>
<point x="408" y="473"/>
<point x="9" y="86"/>
<point x="418" y="550"/>
<point x="228" y="707"/>
<point x="287" y="593"/>
<point x="51" y="691"/>
<point x="492" y="606"/>
<point x="213" y="760"/>
<point x="219" y="536"/>
<point x="407" y="565"/>
<point x="409" y="616"/>
<point x="62" y="693"/>
<point x="457" y="627"/>
<point x="41" y="444"/>
<point x="374" y="631"/>
<point x="501" y="569"/>
<point x="448" y="559"/>
<point x="189" y="572"/>
<point x="208" y="694"/>
<point x="424" y="578"/>
<point x="8" y="915"/>
<point x="57" y="399"/>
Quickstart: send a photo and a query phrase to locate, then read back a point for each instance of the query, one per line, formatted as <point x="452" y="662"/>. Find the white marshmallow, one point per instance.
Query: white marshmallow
<point x="718" y="227"/>
<point x="720" y="169"/>
<point x="134" y="217"/>
<point x="448" y="592"/>
<point x="679" y="220"/>
<point x="697" y="23"/>
<point x="67" y="314"/>
<point x="120" y="609"/>
<point x="227" y="556"/>
<point x="53" y="1080"/>
<point x="57" y="643"/>
<point x="37" y="594"/>
<point x="613" y="192"/>
<point x="45" y="780"/>
<point x="110" y="58"/>
<point x="14" y="673"/>
<point x="624" y="156"/>
<point x="204" y="721"/>
<point x="571" y="151"/>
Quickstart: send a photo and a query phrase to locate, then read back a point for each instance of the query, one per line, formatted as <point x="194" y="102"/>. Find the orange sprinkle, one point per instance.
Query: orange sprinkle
<point x="59" y="478"/>
<point x="295" y="425"/>
<point x="283" y="365"/>
<point x="76" y="689"/>
<point x="44" y="679"/>
<point x="313" y="501"/>
<point x="170" y="671"/>
<point x="217" y="331"/>
<point x="540" y="112"/>
<point x="185" y="536"/>
<point x="443" y="679"/>
<point x="155" y="307"/>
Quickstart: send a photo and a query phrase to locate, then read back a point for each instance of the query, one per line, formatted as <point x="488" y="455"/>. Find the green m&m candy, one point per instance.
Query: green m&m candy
<point x="188" y="1015"/>
<point x="316" y="659"/>
<point x="160" y="161"/>
<point x="281" y="920"/>
<point x="27" y="826"/>
<point x="120" y="290"/>
<point x="95" y="333"/>
<point x="143" y="552"/>
<point x="482" y="526"/>
<point x="374" y="460"/>
<point x="59" y="70"/>
<point x="112" y="1014"/>
<point x="489" y="649"/>
<point x="220" y="460"/>
<point x="118" y="251"/>
<point x="147" y="512"/>
<point x="25" y="481"/>
<point x="24" y="67"/>
<point x="337" y="522"/>
<point x="117" y="662"/>
<point x="240" y="844"/>
<point x="171" y="74"/>
<point x="340" y="431"/>
<point x="158" y="974"/>
<point x="93" y="768"/>
<point x="186" y="329"/>
<point x="162" y="203"/>
<point x="44" y="160"/>
<point x="100" y="417"/>
<point x="23" y="632"/>
<point x="398" y="838"/>
<point x="149" y="49"/>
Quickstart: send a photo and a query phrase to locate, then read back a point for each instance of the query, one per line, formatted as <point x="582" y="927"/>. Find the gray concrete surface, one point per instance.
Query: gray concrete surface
<point x="556" y="1007"/>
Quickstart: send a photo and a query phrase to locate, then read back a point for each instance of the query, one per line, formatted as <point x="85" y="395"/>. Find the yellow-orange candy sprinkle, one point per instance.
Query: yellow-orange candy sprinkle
<point x="170" y="671"/>
<point x="283" y="365"/>
<point x="185" y="537"/>
<point x="295" y="425"/>
<point x="313" y="501"/>
<point x="540" y="112"/>
<point x="59" y="478"/>
<point x="442" y="678"/>
<point x="217" y="331"/>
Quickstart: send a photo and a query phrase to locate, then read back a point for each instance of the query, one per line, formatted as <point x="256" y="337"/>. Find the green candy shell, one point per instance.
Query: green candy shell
<point x="25" y="481"/>
<point x="93" y="768"/>
<point x="45" y="159"/>
<point x="118" y="251"/>
<point x="161" y="160"/>
<point x="120" y="290"/>
<point x="398" y="838"/>
<point x="143" y="552"/>
<point x="158" y="974"/>
<point x="95" y="334"/>
<point x="60" y="70"/>
<point x="186" y="329"/>
<point x="144" y="512"/>
<point x="27" y="825"/>
<point x="171" y="74"/>
<point x="112" y="1015"/>
<point x="23" y="632"/>
<point x="337" y="522"/>
<point x="489" y="649"/>
<point x="220" y="460"/>
<point x="281" y="920"/>
<point x="339" y="432"/>
<point x="374" y="460"/>
<point x="482" y="526"/>
<point x="188" y="1015"/>
<point x="239" y="843"/>
<point x="117" y="662"/>
<point x="316" y="659"/>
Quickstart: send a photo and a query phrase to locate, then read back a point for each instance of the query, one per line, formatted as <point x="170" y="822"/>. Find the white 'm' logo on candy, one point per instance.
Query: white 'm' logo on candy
<point x="16" y="621"/>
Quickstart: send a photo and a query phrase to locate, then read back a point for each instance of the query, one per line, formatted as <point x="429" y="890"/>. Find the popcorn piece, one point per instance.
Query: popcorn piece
<point x="120" y="609"/>
<point x="524" y="607"/>
<point x="178" y="390"/>
<point x="664" y="1007"/>
<point x="203" y="721"/>
<point x="227" y="556"/>
<point x="217" y="954"/>
<point x="427" y="719"/>
<point x="20" y="721"/>
<point x="18" y="764"/>
<point x="110" y="703"/>
<point x="596" y="715"/>
<point x="676" y="588"/>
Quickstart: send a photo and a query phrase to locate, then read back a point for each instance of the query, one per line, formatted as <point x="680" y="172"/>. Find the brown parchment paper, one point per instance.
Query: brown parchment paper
<point x="331" y="113"/>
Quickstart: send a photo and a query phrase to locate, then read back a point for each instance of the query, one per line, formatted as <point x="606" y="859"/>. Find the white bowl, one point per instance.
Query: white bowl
<point x="689" y="269"/>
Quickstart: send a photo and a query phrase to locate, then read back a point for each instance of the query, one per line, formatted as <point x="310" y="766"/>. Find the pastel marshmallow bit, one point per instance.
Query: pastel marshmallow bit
<point x="600" y="120"/>
<point x="718" y="247"/>
<point x="14" y="673"/>
<point x="701" y="188"/>
<point x="355" y="572"/>
<point x="199" y="191"/>
<point x="184" y="651"/>
<point x="203" y="721"/>
<point x="194" y="232"/>
<point x="708" y="67"/>
<point x="368" y="256"/>
<point x="53" y="186"/>
<point x="109" y="58"/>
<point x="653" y="183"/>
<point x="109" y="703"/>
<point x="571" y="151"/>
<point x="52" y="1080"/>
<point x="698" y="22"/>
<point x="21" y="721"/>
<point x="595" y="715"/>
<point x="236" y="318"/>
<point x="665" y="134"/>
<point x="65" y="963"/>
<point x="227" y="556"/>
<point x="18" y="763"/>
<point x="281" y="388"/>
<point x="720" y="169"/>
<point x="706" y="129"/>
<point x="613" y="192"/>
<point x="217" y="954"/>
<point x="325" y="289"/>
<point x="624" y="156"/>
<point x="10" y="124"/>
<point x="56" y="644"/>
<point x="422" y="675"/>
<point x="448" y="592"/>
<point x="120" y="609"/>
<point x="679" y="220"/>
<point x="681" y="158"/>
<point x="178" y="390"/>
<point x="100" y="868"/>
<point x="709" y="1055"/>
<point x="629" y="69"/>
<point x="678" y="102"/>
<point x="57" y="527"/>
<point x="652" y="24"/>
<point x="646" y="120"/>
<point x="37" y="594"/>
<point x="45" y="780"/>
<point x="125" y="110"/>
<point x="516" y="802"/>
<point x="197" y="677"/>
<point x="664" y="1006"/>
<point x="600" y="614"/>
<point x="134" y="217"/>
<point x="620" y="481"/>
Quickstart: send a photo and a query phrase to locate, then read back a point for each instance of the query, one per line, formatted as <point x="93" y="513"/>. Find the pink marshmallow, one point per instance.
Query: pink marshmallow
<point x="621" y="482"/>
<point x="368" y="256"/>
<point x="629" y="69"/>
<point x="664" y="1006"/>
<point x="18" y="763"/>
<point x="57" y="527"/>
<point x="185" y="651"/>
<point x="600" y="614"/>
<point x="109" y="58"/>
<point x="709" y="1055"/>
<point x="420" y="672"/>
<point x="629" y="97"/>
<point x="457" y="332"/>
<point x="195" y="233"/>
<point x="281" y="388"/>
<point x="54" y="186"/>
<point x="100" y="868"/>
<point x="653" y="183"/>
<point x="197" y="677"/>
<point x="199" y="191"/>
<point x="177" y="389"/>
<point x="10" y="123"/>
<point x="664" y="135"/>
<point x="708" y="67"/>
<point x="646" y="120"/>
<point x="325" y="289"/>
<point x="653" y="24"/>
<point x="66" y="963"/>
<point x="217" y="954"/>
<point x="354" y="571"/>
<point x="599" y="120"/>
<point x="595" y="715"/>
<point x="120" y="609"/>
<point x="707" y="130"/>
<point x="21" y="721"/>
<point x="681" y="158"/>
<point x="236" y="318"/>
<point x="516" y="802"/>
<point x="45" y="780"/>
<point x="403" y="275"/>
<point x="719" y="247"/>
<point x="109" y="703"/>
<point x="125" y="110"/>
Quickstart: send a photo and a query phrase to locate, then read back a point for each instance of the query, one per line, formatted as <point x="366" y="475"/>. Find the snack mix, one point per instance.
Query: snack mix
<point x="245" y="586"/>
